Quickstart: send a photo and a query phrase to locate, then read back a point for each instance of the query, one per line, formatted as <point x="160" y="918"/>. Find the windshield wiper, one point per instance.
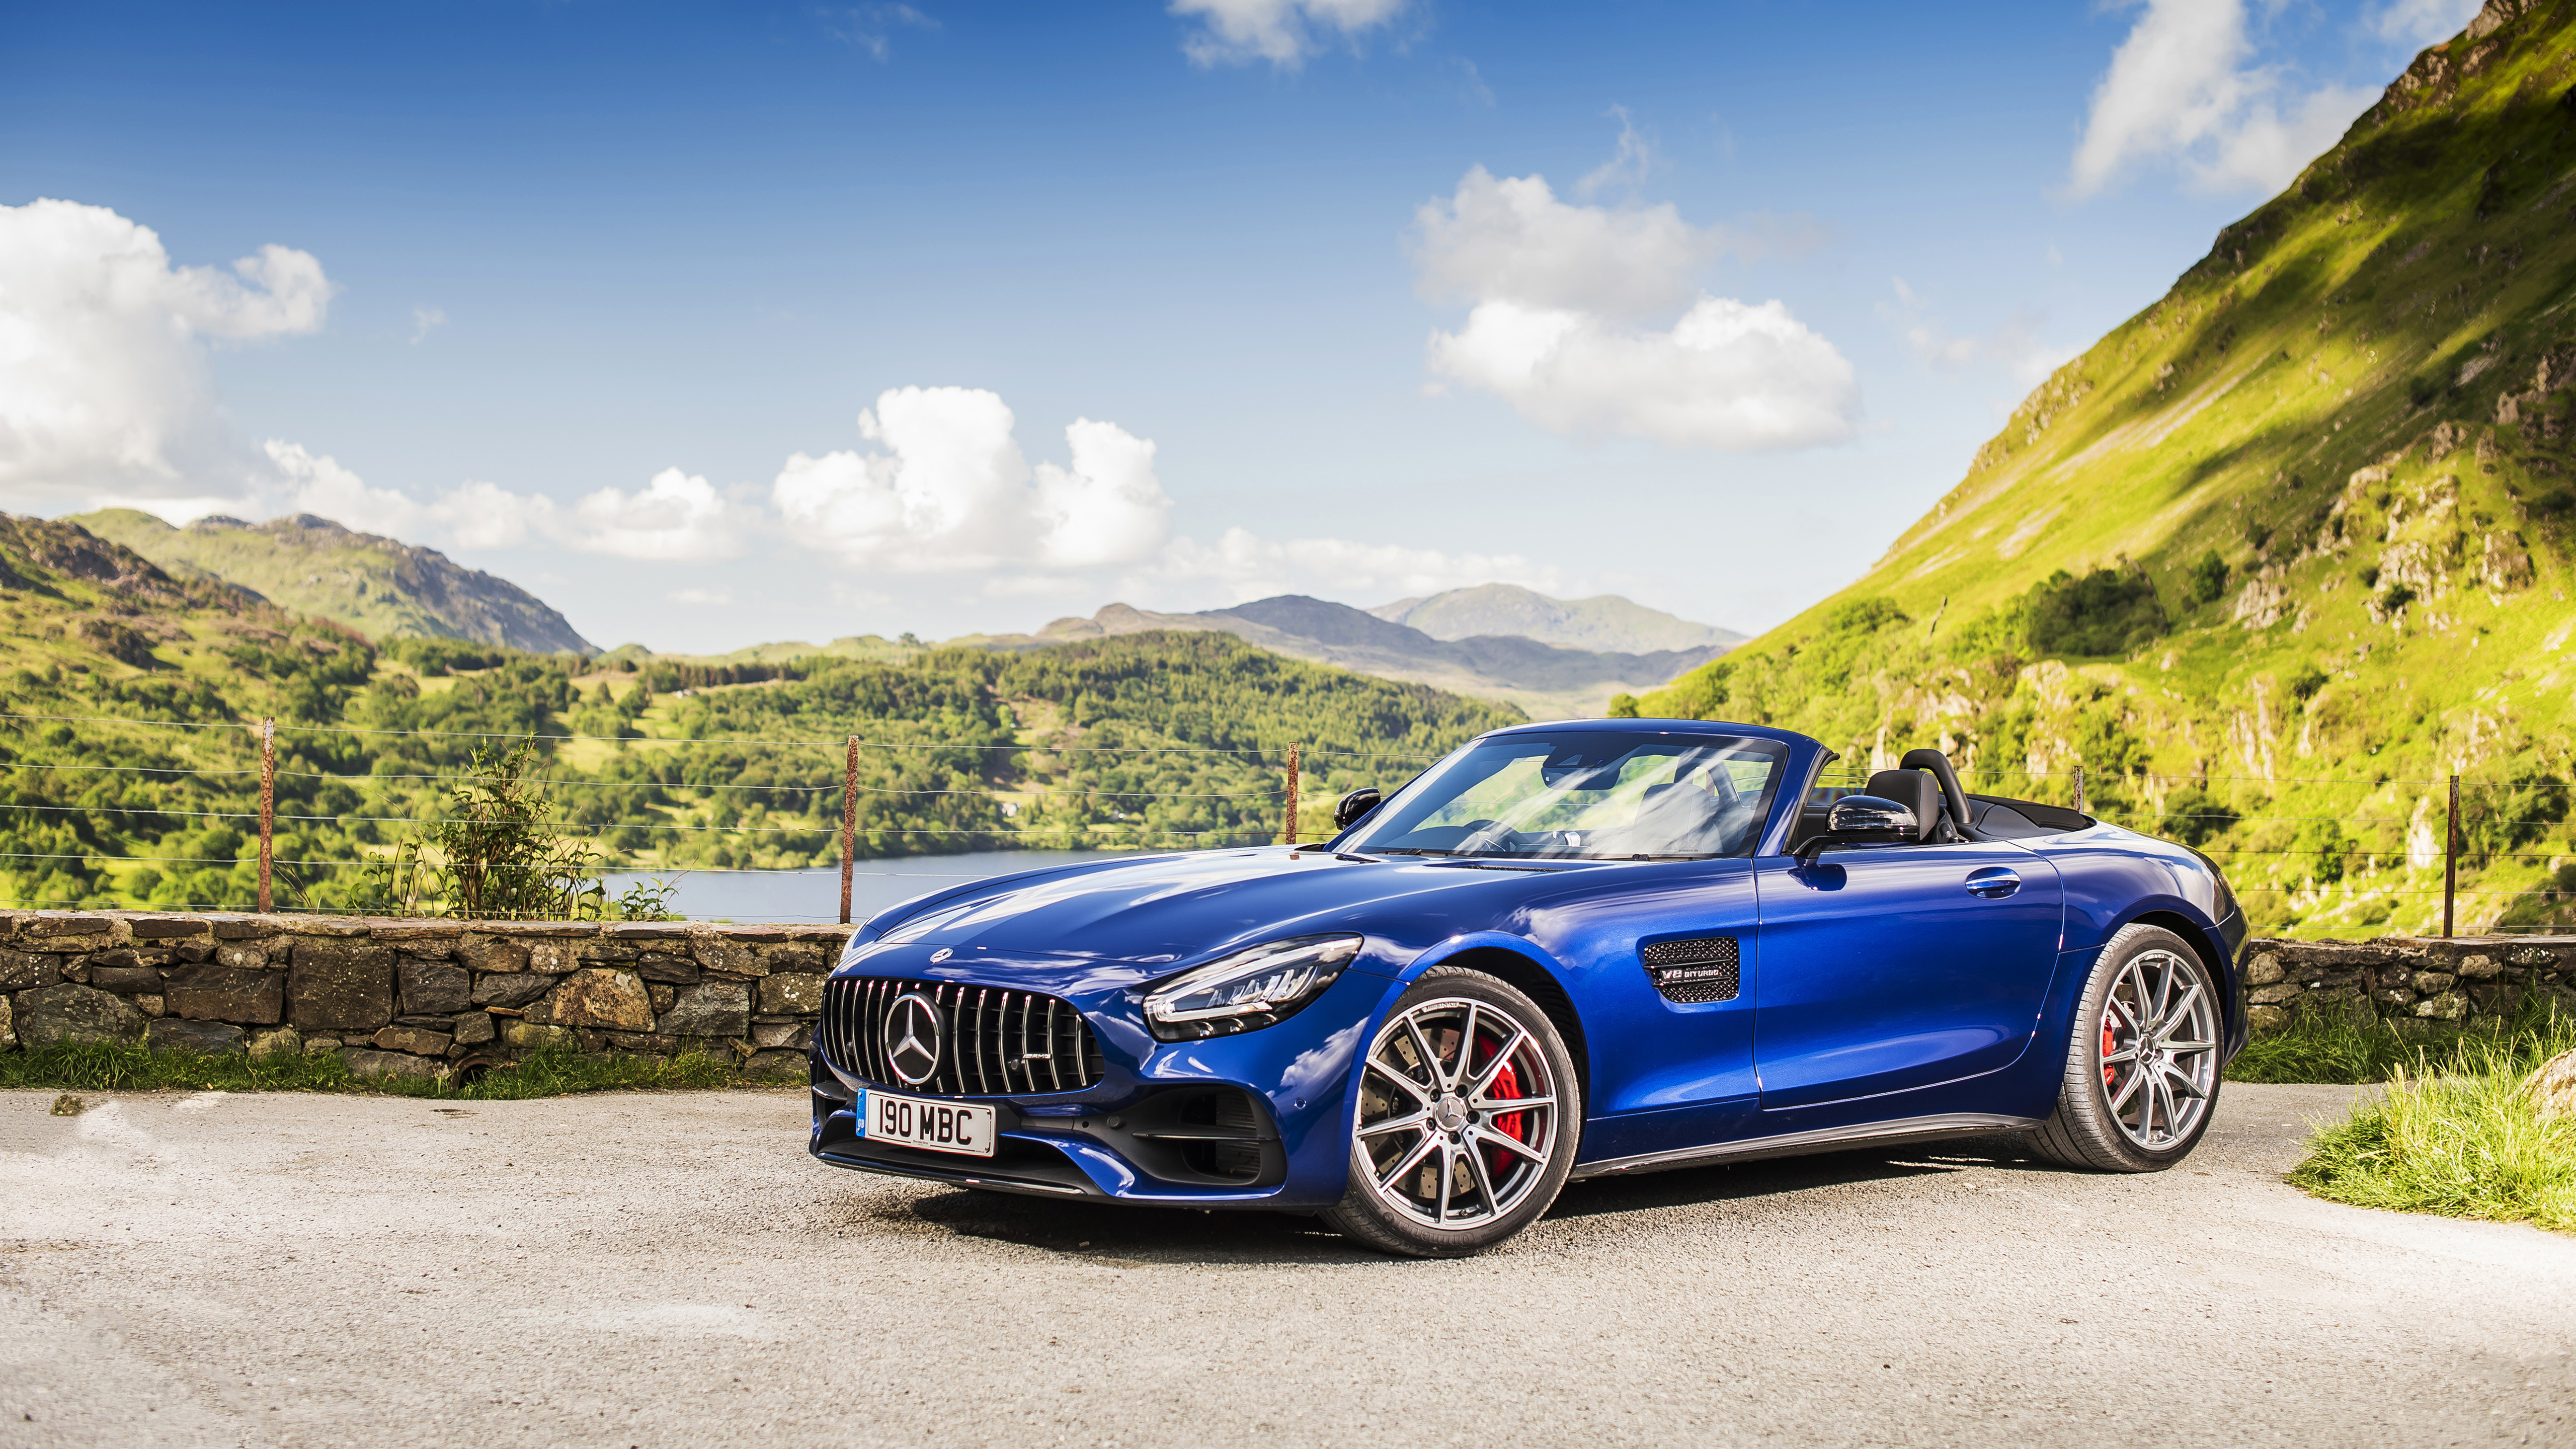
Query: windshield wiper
<point x="1410" y="850"/>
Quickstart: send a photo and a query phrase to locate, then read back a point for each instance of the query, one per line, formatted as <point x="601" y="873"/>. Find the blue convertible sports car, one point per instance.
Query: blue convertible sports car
<point x="1567" y="950"/>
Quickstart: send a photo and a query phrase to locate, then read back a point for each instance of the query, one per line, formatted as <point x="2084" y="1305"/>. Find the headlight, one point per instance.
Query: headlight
<point x="1248" y="989"/>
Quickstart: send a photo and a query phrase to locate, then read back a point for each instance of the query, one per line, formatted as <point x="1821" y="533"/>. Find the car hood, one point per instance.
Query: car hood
<point x="1161" y="909"/>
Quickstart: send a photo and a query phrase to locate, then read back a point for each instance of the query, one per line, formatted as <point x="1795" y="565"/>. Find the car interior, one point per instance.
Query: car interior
<point x="1926" y="783"/>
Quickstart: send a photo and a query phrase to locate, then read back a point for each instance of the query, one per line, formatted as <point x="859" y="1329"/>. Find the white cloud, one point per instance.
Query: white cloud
<point x="674" y="517"/>
<point x="1627" y="167"/>
<point x="1282" y="32"/>
<point x="1511" y="238"/>
<point x="2421" y="22"/>
<point x="105" y="387"/>
<point x="1560" y="296"/>
<point x="2183" y="87"/>
<point x="949" y="490"/>
<point x="423" y="319"/>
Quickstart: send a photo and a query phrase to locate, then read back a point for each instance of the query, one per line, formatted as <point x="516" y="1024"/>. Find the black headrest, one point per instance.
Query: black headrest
<point x="1914" y="790"/>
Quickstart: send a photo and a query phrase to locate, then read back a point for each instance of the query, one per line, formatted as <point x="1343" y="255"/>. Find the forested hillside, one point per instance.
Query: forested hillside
<point x="2287" y="548"/>
<point x="1149" y="739"/>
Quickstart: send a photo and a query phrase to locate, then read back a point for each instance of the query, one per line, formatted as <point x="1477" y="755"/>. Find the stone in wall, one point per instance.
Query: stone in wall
<point x="344" y="985"/>
<point x="792" y="993"/>
<point x="710" y="1008"/>
<point x="214" y="1038"/>
<point x="20" y="970"/>
<point x="596" y="996"/>
<point x="221" y="993"/>
<point x="433" y="988"/>
<point x="51" y="1014"/>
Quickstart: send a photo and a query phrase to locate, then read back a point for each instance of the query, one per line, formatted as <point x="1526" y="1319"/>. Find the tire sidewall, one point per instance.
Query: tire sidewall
<point x="1363" y="1215"/>
<point x="2084" y="1064"/>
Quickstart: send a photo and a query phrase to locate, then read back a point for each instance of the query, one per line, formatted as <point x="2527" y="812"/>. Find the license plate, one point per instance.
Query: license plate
<point x="938" y="1126"/>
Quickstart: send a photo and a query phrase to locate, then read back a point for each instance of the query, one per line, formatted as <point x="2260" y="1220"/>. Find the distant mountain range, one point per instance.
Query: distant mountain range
<point x="1549" y="680"/>
<point x="1604" y="622"/>
<point x="1552" y="657"/>
<point x="383" y="587"/>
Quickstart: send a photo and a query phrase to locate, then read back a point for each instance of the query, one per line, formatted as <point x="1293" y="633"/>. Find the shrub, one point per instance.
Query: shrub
<point x="2108" y="611"/>
<point x="2208" y="577"/>
<point x="2192" y="816"/>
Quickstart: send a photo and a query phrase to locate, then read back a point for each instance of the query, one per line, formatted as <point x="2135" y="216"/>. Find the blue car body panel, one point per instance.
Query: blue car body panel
<point x="1922" y="984"/>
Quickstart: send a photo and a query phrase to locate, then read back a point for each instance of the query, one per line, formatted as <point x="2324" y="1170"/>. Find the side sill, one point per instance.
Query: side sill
<point x="1822" y="1139"/>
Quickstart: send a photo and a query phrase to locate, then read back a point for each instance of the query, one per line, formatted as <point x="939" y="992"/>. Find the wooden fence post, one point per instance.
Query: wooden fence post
<point x="849" y="824"/>
<point x="2451" y="859"/>
<point x="267" y="806"/>
<point x="1294" y="749"/>
<point x="2079" y="789"/>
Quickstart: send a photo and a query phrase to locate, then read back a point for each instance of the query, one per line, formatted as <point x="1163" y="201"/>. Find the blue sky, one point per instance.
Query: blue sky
<point x="719" y="324"/>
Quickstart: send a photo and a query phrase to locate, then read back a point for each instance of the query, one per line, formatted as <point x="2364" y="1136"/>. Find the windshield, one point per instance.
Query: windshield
<point x="1586" y="795"/>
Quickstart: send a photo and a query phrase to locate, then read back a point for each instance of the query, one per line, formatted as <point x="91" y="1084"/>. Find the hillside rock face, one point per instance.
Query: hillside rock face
<point x="2286" y="550"/>
<point x="380" y="586"/>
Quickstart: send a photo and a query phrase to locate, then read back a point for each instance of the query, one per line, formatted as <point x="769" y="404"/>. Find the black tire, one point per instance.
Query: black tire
<point x="2090" y="1127"/>
<point x="1512" y="1161"/>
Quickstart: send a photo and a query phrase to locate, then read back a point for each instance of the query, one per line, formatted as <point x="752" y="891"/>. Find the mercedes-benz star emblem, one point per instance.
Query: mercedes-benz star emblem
<point x="912" y="1035"/>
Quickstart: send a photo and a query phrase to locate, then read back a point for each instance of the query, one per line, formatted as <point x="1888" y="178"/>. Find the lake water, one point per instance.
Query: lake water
<point x="796" y="896"/>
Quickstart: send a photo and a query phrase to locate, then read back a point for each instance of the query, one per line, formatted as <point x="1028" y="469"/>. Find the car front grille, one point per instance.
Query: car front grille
<point x="1707" y="969"/>
<point x="993" y="1042"/>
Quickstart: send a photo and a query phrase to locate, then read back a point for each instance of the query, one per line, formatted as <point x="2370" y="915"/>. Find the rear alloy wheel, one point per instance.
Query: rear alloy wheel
<point x="2142" y="1070"/>
<point x="1467" y="1121"/>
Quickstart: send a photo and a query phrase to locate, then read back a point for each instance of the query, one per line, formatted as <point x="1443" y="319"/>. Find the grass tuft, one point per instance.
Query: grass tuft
<point x="550" y="1072"/>
<point x="2461" y="1138"/>
<point x="2317" y="1048"/>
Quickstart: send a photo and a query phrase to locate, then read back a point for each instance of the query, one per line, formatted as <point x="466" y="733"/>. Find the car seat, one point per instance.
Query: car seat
<point x="1918" y="792"/>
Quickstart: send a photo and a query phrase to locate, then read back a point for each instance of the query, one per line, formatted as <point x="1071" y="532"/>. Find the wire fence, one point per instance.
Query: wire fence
<point x="1277" y="805"/>
<point x="2478" y="824"/>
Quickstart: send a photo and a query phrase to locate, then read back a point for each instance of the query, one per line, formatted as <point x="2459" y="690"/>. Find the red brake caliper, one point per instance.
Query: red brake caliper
<point x="2108" y="1046"/>
<point x="1507" y="1083"/>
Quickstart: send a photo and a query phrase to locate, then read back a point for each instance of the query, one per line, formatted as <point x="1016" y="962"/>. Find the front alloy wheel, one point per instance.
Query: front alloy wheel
<point x="1464" y="1130"/>
<point x="2142" y="1069"/>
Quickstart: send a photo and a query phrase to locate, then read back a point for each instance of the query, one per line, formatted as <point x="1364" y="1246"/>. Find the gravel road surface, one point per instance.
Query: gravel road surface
<point x="652" y="1270"/>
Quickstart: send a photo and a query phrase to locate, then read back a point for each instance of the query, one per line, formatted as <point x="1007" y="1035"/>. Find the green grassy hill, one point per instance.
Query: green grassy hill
<point x="1145" y="740"/>
<point x="380" y="586"/>
<point x="2306" y="519"/>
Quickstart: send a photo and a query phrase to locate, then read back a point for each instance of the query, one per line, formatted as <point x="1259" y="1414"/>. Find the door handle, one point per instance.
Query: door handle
<point x="1993" y="882"/>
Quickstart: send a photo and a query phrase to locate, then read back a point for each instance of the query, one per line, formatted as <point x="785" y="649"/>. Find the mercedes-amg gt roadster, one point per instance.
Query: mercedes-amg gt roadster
<point x="1564" y="951"/>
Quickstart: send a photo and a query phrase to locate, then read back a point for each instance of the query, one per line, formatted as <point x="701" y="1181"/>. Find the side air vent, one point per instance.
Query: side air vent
<point x="1707" y="969"/>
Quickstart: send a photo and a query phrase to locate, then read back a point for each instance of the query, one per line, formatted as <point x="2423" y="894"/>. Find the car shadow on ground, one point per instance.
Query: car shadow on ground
<point x="1122" y="1234"/>
<point x="1777" y="1176"/>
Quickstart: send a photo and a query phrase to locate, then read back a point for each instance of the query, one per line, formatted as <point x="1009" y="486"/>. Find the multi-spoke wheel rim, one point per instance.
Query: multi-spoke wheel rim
<point x="2159" y="1035"/>
<point x="1458" y="1114"/>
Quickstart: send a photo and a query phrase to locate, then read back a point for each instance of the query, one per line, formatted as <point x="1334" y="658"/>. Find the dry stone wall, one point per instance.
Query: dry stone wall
<point x="2408" y="981"/>
<point x="418" y="997"/>
<point x="413" y="997"/>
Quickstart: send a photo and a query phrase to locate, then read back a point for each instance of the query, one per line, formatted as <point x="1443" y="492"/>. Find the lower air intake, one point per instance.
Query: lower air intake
<point x="1707" y="969"/>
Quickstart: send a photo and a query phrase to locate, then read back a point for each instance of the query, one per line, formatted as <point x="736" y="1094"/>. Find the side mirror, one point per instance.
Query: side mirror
<point x="1354" y="807"/>
<point x="1864" y="820"/>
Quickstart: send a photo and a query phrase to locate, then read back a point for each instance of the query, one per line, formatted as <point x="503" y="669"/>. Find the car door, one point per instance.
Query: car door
<point x="1661" y="962"/>
<point x="1897" y="968"/>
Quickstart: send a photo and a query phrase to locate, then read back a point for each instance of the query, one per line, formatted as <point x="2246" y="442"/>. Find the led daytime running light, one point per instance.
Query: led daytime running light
<point x="1249" y="989"/>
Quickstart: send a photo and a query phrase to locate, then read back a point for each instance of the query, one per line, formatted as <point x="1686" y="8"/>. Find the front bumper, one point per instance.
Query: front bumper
<point x="1256" y="1120"/>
